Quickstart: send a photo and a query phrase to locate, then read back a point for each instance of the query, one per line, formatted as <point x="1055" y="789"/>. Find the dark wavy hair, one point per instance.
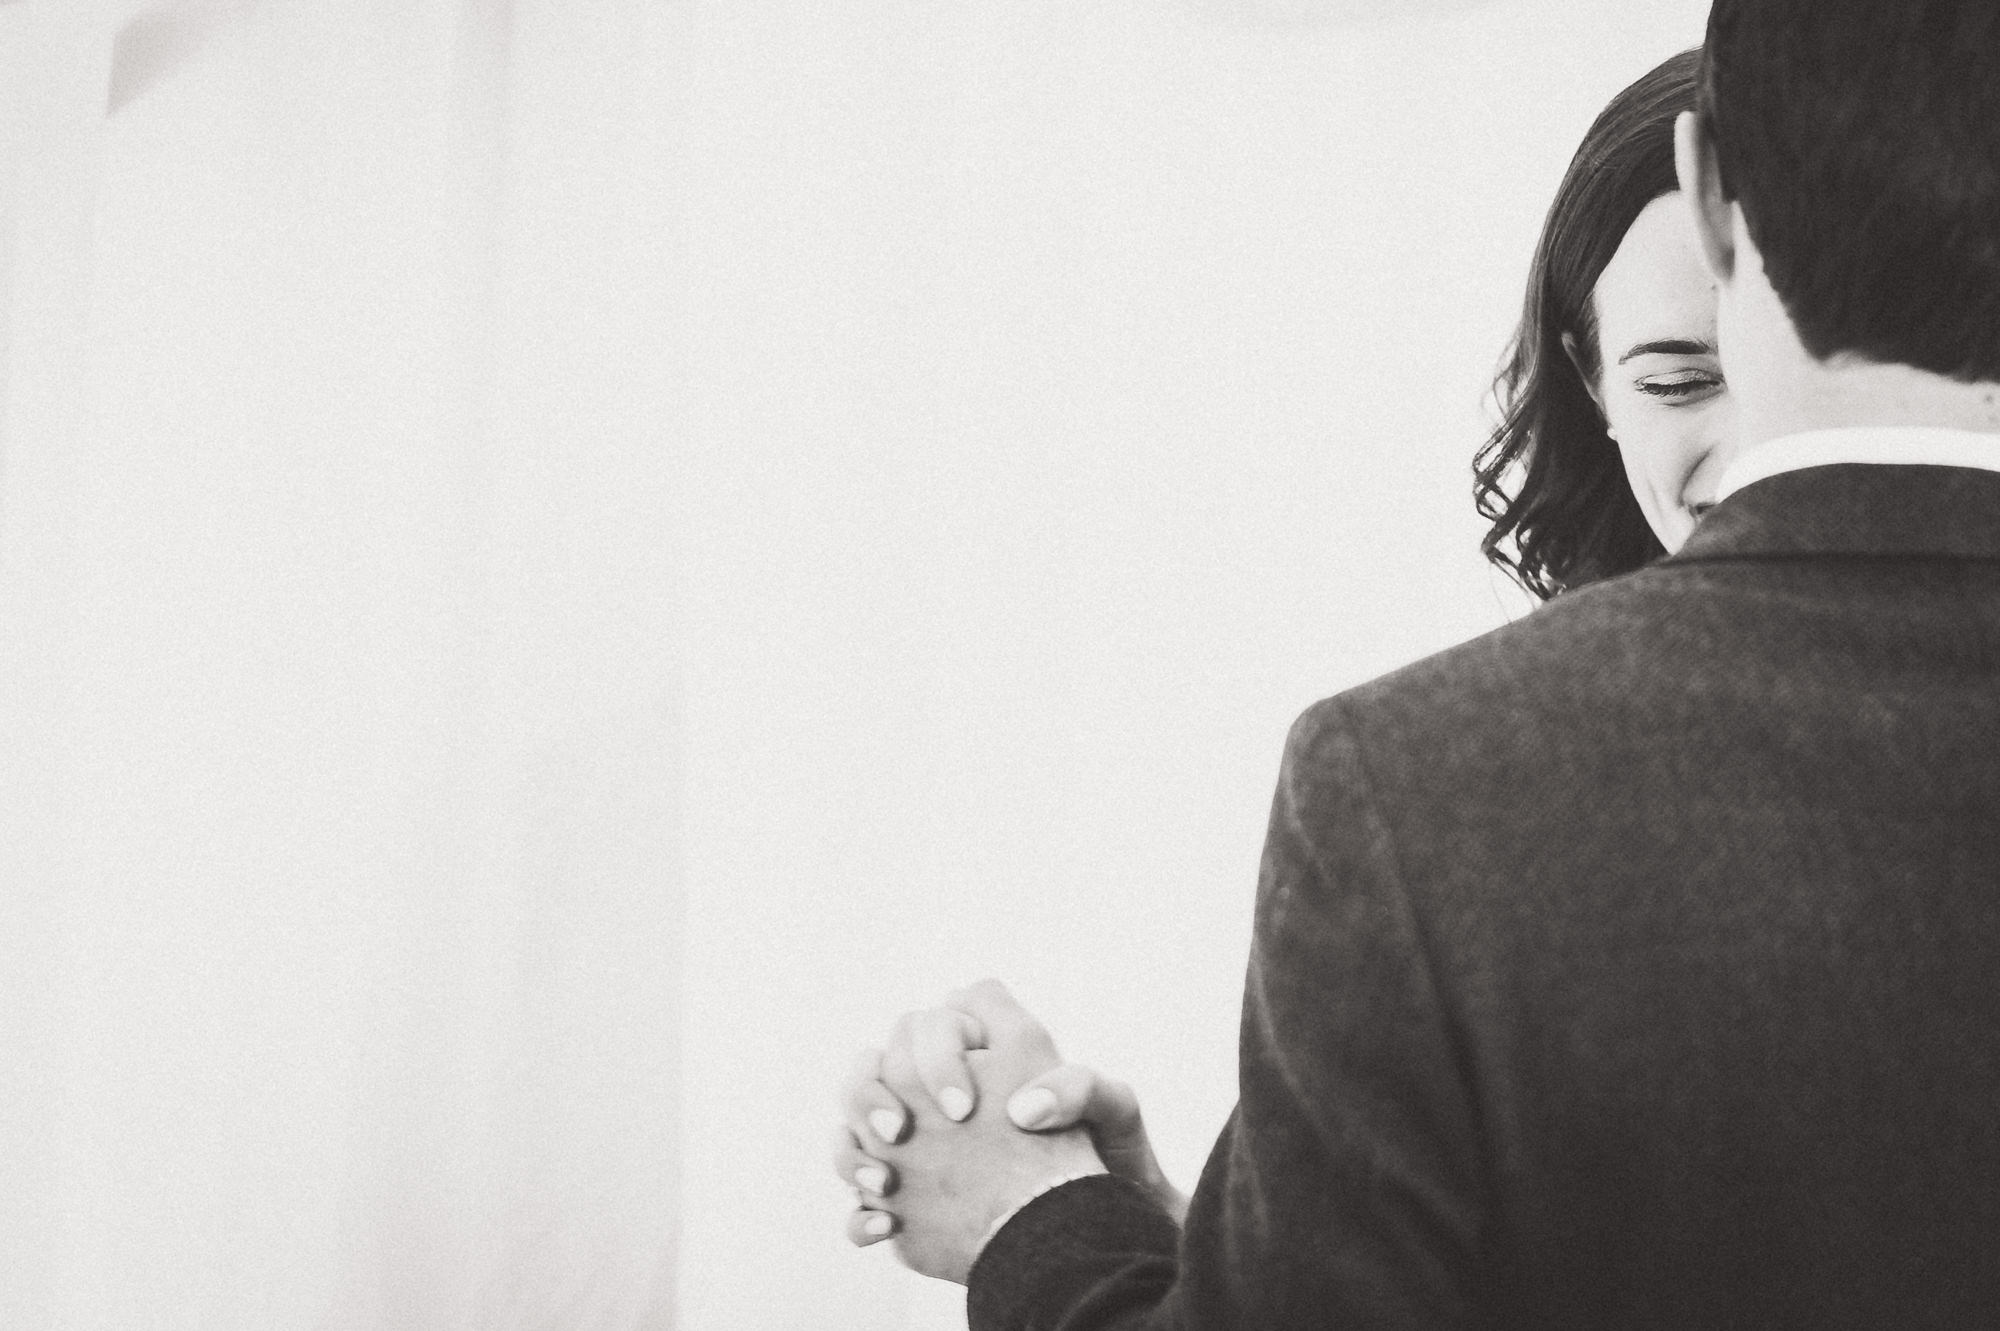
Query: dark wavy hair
<point x="1572" y="519"/>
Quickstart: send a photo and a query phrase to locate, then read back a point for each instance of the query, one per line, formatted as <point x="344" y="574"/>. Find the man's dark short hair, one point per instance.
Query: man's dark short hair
<point x="1862" y="138"/>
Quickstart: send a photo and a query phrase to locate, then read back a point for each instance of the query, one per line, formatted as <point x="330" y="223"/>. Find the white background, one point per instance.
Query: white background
<point x="562" y="564"/>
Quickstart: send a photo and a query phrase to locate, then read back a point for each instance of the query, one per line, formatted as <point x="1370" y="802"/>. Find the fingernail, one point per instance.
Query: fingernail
<point x="888" y="1124"/>
<point x="871" y="1178"/>
<point x="878" y="1225"/>
<point x="955" y="1103"/>
<point x="1031" y="1108"/>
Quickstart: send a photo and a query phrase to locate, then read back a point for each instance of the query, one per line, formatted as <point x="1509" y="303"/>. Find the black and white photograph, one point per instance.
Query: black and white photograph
<point x="1016" y="665"/>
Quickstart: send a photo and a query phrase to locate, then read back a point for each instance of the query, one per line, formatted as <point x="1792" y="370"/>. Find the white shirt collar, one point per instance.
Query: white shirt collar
<point x="1898" y="446"/>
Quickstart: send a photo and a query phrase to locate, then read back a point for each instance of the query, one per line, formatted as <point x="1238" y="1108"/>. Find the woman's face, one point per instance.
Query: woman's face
<point x="1660" y="386"/>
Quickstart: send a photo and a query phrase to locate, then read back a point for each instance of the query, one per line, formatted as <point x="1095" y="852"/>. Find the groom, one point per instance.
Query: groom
<point x="1638" y="965"/>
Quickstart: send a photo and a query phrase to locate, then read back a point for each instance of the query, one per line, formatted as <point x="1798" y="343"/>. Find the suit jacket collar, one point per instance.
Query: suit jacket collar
<point x="1855" y="509"/>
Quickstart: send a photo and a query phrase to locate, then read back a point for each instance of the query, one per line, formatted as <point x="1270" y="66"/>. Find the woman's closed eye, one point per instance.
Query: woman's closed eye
<point x="1679" y="387"/>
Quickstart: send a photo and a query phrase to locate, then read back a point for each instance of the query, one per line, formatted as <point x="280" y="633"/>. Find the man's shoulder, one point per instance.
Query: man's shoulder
<point x="1587" y="650"/>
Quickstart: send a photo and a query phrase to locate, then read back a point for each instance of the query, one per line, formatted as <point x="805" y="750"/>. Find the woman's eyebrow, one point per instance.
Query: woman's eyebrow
<point x="1673" y="346"/>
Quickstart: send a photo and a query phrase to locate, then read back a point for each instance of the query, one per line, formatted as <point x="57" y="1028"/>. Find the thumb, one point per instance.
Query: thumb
<point x="1071" y="1093"/>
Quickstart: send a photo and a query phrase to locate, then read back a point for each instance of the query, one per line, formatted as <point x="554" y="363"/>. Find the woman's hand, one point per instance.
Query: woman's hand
<point x="1051" y="1098"/>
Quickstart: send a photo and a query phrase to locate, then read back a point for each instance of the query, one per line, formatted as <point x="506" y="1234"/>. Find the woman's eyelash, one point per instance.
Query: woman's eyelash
<point x="1676" y="387"/>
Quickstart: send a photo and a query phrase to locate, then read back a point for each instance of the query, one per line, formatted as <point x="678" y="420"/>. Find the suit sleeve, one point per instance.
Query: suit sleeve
<point x="1347" y="1188"/>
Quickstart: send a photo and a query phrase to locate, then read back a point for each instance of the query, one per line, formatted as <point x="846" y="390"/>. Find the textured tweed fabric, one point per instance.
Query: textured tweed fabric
<point x="1635" y="965"/>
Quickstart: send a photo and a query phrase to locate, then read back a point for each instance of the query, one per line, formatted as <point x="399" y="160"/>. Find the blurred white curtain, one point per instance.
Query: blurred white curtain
<point x="340" y="895"/>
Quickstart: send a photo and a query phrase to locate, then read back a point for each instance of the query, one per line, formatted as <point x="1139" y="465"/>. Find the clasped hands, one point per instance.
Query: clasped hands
<point x="967" y="1114"/>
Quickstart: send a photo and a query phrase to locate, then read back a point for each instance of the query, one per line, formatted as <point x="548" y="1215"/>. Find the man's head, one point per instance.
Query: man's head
<point x="1855" y="146"/>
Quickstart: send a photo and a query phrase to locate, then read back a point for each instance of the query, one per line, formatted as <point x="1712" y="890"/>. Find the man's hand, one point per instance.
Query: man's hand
<point x="1051" y="1098"/>
<point x="1072" y="1095"/>
<point x="954" y="1181"/>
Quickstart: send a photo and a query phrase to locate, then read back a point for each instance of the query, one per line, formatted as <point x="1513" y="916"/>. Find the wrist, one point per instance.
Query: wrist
<point x="1047" y="1185"/>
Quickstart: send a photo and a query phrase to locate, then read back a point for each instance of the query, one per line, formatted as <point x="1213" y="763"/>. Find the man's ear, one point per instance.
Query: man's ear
<point x="1575" y="355"/>
<point x="1701" y="185"/>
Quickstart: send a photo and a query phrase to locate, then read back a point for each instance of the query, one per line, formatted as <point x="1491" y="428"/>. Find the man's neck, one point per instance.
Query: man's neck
<point x="1845" y="393"/>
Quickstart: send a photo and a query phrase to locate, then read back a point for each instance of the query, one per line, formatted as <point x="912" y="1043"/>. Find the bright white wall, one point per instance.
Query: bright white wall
<point x="560" y="564"/>
<point x="1078" y="392"/>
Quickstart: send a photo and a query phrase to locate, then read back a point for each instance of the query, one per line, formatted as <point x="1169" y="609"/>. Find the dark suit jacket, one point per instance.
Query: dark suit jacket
<point x="1636" y="965"/>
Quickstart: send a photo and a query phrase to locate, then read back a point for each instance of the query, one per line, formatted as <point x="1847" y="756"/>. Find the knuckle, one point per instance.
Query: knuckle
<point x="930" y="1031"/>
<point x="899" y="1071"/>
<point x="967" y="1029"/>
<point x="903" y="1032"/>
